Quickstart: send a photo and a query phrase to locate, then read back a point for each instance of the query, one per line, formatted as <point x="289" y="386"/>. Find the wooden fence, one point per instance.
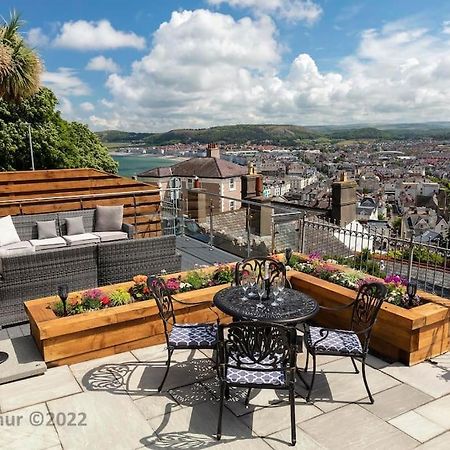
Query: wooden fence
<point x="43" y="191"/>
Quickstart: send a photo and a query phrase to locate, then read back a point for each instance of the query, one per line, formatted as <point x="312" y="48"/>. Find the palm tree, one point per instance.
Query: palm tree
<point x="20" y="66"/>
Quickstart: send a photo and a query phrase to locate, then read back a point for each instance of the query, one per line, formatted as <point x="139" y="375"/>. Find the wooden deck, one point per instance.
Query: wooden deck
<point x="43" y="191"/>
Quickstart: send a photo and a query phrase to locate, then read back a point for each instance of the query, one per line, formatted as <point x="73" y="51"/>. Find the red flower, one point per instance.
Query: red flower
<point x="105" y="300"/>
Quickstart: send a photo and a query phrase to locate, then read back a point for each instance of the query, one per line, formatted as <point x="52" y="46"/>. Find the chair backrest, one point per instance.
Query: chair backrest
<point x="259" y="266"/>
<point x="163" y="300"/>
<point x="269" y="345"/>
<point x="368" y="302"/>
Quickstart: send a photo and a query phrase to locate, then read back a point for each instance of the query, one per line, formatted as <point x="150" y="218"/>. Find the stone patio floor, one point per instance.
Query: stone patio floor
<point x="112" y="403"/>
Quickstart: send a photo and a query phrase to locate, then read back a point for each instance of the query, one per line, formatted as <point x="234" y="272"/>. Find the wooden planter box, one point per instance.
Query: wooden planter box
<point x="90" y="335"/>
<point x="406" y="335"/>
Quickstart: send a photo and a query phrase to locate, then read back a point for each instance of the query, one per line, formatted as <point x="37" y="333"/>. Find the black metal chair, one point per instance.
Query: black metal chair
<point x="180" y="336"/>
<point x="257" y="355"/>
<point x="258" y="266"/>
<point x="353" y="343"/>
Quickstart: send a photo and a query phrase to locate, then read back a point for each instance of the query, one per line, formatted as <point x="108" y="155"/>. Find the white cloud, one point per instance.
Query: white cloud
<point x="293" y="10"/>
<point x="101" y="35"/>
<point x="37" y="38"/>
<point x="87" y="106"/>
<point x="103" y="64"/>
<point x="65" y="82"/>
<point x="446" y="27"/>
<point x="207" y="68"/>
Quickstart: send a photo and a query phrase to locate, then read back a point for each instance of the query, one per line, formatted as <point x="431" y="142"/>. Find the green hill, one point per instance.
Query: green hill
<point x="237" y="134"/>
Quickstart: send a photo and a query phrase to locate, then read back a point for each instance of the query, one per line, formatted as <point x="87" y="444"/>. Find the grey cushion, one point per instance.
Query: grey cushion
<point x="74" y="225"/>
<point x="47" y="229"/>
<point x="107" y="236"/>
<point x="81" y="239"/>
<point x="108" y="218"/>
<point x="47" y="244"/>
<point x="15" y="249"/>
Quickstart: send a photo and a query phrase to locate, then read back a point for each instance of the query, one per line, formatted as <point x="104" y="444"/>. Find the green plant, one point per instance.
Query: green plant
<point x="120" y="297"/>
<point x="223" y="274"/>
<point x="196" y="279"/>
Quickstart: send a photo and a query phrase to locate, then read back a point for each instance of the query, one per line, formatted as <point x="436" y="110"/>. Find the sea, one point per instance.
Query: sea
<point x="130" y="165"/>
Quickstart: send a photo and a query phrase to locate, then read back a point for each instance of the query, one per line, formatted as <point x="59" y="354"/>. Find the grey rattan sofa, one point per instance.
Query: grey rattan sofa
<point x="39" y="274"/>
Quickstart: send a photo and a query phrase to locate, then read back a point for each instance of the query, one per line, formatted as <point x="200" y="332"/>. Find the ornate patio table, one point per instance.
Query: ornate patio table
<point x="292" y="306"/>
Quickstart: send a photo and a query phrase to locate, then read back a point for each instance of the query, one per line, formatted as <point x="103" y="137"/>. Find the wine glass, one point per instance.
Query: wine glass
<point x="281" y="285"/>
<point x="275" y="291"/>
<point x="245" y="284"/>
<point x="252" y="282"/>
<point x="261" y="289"/>
<point x="63" y="293"/>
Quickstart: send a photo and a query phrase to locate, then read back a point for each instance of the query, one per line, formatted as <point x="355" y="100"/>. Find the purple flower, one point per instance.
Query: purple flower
<point x="396" y="279"/>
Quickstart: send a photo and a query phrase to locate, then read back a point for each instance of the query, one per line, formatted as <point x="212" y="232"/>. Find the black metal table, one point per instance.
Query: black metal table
<point x="292" y="308"/>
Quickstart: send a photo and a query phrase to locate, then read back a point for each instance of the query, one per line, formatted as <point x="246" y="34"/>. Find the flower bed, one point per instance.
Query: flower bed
<point x="98" y="299"/>
<point x="344" y="276"/>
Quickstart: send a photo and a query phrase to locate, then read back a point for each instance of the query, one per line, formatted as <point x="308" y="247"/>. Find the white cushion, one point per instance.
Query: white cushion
<point x="16" y="249"/>
<point x="81" y="239"/>
<point x="8" y="233"/>
<point x="47" y="244"/>
<point x="107" y="236"/>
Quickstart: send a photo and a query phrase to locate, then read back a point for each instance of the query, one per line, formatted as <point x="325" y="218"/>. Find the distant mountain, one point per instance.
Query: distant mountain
<point x="278" y="134"/>
<point x="239" y="134"/>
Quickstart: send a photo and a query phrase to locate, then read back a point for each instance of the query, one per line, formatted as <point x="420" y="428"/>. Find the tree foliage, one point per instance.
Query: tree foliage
<point x="20" y="66"/>
<point x="56" y="142"/>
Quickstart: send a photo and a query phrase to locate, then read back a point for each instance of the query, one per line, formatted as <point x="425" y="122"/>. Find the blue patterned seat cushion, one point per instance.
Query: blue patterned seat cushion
<point x="193" y="335"/>
<point x="336" y="341"/>
<point x="246" y="374"/>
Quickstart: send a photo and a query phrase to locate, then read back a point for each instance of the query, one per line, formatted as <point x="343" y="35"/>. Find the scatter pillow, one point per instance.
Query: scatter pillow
<point x="74" y="225"/>
<point x="108" y="218"/>
<point x="8" y="233"/>
<point x="47" y="229"/>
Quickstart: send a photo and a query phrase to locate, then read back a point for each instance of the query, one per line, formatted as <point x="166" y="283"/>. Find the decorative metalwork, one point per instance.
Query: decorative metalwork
<point x="293" y="306"/>
<point x="257" y="355"/>
<point x="163" y="300"/>
<point x="353" y="343"/>
<point x="263" y="269"/>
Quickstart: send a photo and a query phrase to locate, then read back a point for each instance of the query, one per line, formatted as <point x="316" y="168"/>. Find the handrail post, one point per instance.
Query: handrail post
<point x="411" y="257"/>
<point x="247" y="222"/>
<point x="273" y="232"/>
<point x="211" y="231"/>
<point x="303" y="237"/>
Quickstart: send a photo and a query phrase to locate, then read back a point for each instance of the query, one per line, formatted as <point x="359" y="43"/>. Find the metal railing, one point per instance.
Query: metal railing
<point x="375" y="251"/>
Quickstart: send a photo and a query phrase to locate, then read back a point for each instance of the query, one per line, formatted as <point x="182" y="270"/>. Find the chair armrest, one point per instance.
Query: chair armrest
<point x="337" y="308"/>
<point x="210" y="307"/>
<point x="129" y="229"/>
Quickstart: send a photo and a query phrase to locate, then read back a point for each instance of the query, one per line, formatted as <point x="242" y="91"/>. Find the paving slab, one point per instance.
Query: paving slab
<point x="438" y="443"/>
<point x="55" y="383"/>
<point x="282" y="439"/>
<point x="266" y="421"/>
<point x="111" y="422"/>
<point x="104" y="374"/>
<point x="24" y="359"/>
<point x="14" y="332"/>
<point x="352" y="427"/>
<point x="432" y="379"/>
<point x="18" y="432"/>
<point x="437" y="411"/>
<point x="397" y="400"/>
<point x="196" y="426"/>
<point x="417" y="426"/>
<point x="337" y="384"/>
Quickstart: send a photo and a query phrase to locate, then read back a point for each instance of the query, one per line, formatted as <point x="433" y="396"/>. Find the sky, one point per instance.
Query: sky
<point x="157" y="65"/>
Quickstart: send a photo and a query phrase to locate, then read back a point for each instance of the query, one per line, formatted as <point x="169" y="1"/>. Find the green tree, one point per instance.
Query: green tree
<point x="20" y="66"/>
<point x="56" y="142"/>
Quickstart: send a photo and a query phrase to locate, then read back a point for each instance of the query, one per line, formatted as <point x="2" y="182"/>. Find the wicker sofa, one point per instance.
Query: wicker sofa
<point x="35" y="275"/>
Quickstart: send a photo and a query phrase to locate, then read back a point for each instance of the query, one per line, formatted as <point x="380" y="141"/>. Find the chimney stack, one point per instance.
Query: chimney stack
<point x="343" y="200"/>
<point x="213" y="151"/>
<point x="252" y="185"/>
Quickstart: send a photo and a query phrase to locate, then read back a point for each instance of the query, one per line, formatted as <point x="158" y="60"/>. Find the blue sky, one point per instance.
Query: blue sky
<point x="156" y="65"/>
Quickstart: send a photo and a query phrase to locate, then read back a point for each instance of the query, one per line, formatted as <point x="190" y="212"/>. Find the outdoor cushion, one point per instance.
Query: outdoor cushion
<point x="194" y="335"/>
<point x="108" y="218"/>
<point x="74" y="225"/>
<point x="8" y="233"/>
<point x="336" y="341"/>
<point x="81" y="239"/>
<point x="107" y="236"/>
<point x="15" y="249"/>
<point x="247" y="373"/>
<point x="47" y="244"/>
<point x="47" y="229"/>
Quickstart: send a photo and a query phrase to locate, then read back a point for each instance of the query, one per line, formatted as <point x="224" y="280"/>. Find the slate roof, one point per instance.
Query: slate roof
<point x="201" y="167"/>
